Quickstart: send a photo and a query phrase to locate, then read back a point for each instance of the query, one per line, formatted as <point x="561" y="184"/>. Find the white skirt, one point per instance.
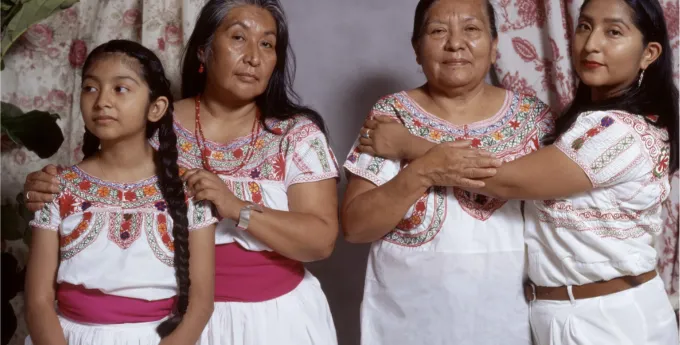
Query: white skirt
<point x="639" y="316"/>
<point x="76" y="333"/>
<point x="300" y="317"/>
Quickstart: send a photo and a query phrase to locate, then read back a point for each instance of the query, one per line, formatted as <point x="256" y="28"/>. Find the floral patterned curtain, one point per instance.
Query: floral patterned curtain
<point x="42" y="72"/>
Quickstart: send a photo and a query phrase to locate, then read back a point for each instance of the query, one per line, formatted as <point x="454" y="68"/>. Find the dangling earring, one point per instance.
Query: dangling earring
<point x="200" y="69"/>
<point x="642" y="75"/>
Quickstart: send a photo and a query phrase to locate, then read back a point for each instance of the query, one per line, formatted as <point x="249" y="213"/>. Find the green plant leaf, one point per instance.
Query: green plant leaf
<point x="36" y="130"/>
<point x="11" y="223"/>
<point x="9" y="9"/>
<point x="9" y="109"/>
<point x="32" y="11"/>
<point x="6" y="5"/>
<point x="67" y="3"/>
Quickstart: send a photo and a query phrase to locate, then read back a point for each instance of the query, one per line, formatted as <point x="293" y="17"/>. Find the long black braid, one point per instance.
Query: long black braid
<point x="165" y="159"/>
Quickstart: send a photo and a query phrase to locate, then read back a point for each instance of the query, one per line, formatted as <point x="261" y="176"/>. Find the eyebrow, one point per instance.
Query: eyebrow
<point x="608" y="20"/>
<point x="465" y="19"/>
<point x="118" y="77"/>
<point x="240" y="23"/>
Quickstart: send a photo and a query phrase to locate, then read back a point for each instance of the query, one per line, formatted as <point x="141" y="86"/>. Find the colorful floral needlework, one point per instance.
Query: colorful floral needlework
<point x="514" y="131"/>
<point x="580" y="141"/>
<point x="160" y="241"/>
<point x="125" y="228"/>
<point x="661" y="167"/>
<point x="413" y="232"/>
<point x="82" y="236"/>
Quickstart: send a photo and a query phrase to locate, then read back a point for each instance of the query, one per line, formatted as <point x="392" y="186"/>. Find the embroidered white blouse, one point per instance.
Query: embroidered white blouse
<point x="295" y="151"/>
<point x="609" y="231"/>
<point x="451" y="272"/>
<point x="115" y="237"/>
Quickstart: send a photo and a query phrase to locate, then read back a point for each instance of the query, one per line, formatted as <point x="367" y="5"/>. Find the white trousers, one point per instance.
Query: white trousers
<point x="639" y="316"/>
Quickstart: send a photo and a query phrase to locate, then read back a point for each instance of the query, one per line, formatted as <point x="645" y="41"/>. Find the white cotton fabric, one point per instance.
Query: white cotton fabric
<point x="77" y="333"/>
<point x="637" y="316"/>
<point x="300" y="317"/>
<point x="452" y="271"/>
<point x="294" y="151"/>
<point x="606" y="233"/>
<point x="611" y="230"/>
<point x="92" y="216"/>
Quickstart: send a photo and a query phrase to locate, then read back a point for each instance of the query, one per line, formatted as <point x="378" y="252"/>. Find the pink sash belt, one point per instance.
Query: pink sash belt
<point x="247" y="276"/>
<point x="93" y="306"/>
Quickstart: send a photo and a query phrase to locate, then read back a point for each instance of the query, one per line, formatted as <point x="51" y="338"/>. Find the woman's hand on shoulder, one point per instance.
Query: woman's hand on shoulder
<point x="385" y="137"/>
<point x="456" y="164"/>
<point x="40" y="187"/>
<point x="204" y="185"/>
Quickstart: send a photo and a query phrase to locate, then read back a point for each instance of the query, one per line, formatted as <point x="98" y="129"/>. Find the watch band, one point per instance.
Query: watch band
<point x="244" y="215"/>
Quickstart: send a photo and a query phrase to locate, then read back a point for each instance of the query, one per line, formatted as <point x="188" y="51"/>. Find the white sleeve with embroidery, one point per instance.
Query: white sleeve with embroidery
<point x="199" y="214"/>
<point x="48" y="217"/>
<point x="545" y="121"/>
<point x="310" y="159"/>
<point x="608" y="150"/>
<point x="378" y="170"/>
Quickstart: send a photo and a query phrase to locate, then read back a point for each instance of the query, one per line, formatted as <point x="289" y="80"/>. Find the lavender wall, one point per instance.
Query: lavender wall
<point x="349" y="53"/>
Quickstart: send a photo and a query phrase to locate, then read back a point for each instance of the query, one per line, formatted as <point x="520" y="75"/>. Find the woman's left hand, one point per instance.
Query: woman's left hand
<point x="204" y="185"/>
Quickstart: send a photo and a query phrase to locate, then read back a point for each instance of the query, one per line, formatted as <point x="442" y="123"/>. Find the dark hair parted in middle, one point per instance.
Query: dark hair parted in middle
<point x="421" y="14"/>
<point x="167" y="170"/>
<point x="279" y="100"/>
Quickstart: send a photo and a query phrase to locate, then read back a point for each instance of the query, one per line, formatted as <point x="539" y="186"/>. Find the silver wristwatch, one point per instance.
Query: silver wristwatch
<point x="244" y="215"/>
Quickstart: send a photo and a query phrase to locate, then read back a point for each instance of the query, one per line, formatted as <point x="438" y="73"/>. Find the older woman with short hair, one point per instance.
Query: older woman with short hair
<point x="446" y="266"/>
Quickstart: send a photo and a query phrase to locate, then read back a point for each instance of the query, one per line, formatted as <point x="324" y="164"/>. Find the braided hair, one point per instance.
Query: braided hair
<point x="165" y="160"/>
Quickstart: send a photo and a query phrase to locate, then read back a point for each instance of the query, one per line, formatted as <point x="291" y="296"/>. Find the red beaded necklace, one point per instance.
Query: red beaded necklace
<point x="205" y="153"/>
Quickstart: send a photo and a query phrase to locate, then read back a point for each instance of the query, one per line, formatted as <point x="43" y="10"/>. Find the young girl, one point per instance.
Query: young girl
<point x="601" y="183"/>
<point x="113" y="247"/>
<point x="264" y="162"/>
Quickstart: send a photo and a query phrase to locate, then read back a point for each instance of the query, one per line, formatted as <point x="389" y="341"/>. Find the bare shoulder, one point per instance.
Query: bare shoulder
<point x="185" y="113"/>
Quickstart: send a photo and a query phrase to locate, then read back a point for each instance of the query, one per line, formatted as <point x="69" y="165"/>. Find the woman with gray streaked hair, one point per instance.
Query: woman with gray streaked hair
<point x="263" y="160"/>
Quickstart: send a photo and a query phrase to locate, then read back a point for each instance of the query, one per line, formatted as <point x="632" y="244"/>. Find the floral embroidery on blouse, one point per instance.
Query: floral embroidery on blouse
<point x="620" y="149"/>
<point x="124" y="211"/>
<point x="516" y="130"/>
<point x="268" y="161"/>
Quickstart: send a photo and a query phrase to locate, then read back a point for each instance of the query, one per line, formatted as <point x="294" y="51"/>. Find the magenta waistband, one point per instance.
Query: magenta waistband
<point x="93" y="306"/>
<point x="247" y="276"/>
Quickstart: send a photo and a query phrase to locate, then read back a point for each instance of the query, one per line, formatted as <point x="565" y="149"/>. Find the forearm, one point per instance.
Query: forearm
<point x="417" y="147"/>
<point x="299" y="236"/>
<point x="542" y="175"/>
<point x="43" y="324"/>
<point x="372" y="214"/>
<point x="503" y="186"/>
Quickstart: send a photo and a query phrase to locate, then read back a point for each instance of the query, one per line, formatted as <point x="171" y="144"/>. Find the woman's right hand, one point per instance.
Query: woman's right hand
<point x="40" y="187"/>
<point x="456" y="164"/>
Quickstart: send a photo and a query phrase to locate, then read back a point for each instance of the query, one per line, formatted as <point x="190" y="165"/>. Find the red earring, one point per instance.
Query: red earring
<point x="201" y="69"/>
